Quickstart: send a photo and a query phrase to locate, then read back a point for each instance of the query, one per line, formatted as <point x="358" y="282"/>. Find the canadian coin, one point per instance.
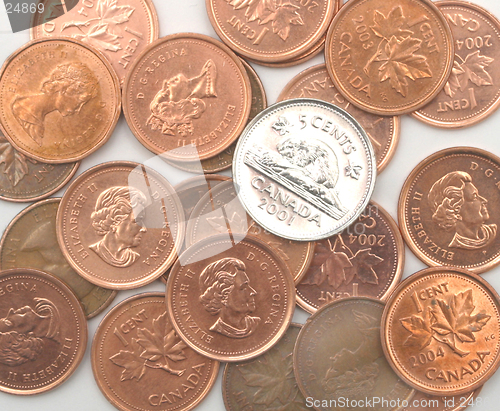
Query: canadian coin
<point x="119" y="29"/>
<point x="338" y="356"/>
<point x="187" y="97"/>
<point x="424" y="402"/>
<point x="25" y="179"/>
<point x="472" y="91"/>
<point x="304" y="169"/>
<point x="365" y="260"/>
<point x="437" y="328"/>
<point x="270" y="33"/>
<point x="257" y="289"/>
<point x="383" y="131"/>
<point x="389" y="57"/>
<point x="120" y="225"/>
<point x="444" y="209"/>
<point x="224" y="159"/>
<point x="43" y="331"/>
<point x="30" y="241"/>
<point x="220" y="211"/>
<point x="59" y="100"/>
<point x="140" y="363"/>
<point x="266" y="382"/>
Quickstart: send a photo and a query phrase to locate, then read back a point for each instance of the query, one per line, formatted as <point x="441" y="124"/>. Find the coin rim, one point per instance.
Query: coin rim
<point x="488" y="289"/>
<point x="113" y="116"/>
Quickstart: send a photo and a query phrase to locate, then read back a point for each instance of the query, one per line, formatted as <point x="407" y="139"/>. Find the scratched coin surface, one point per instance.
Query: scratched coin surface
<point x="424" y="402"/>
<point x="224" y="159"/>
<point x="304" y="169"/>
<point x="271" y="33"/>
<point x="389" y="57"/>
<point x="43" y="331"/>
<point x="140" y="363"/>
<point x="25" y="179"/>
<point x="59" y="100"/>
<point x="230" y="299"/>
<point x="266" y="382"/>
<point x="30" y="241"/>
<point x="439" y="331"/>
<point x="187" y="97"/>
<point x="120" y="29"/>
<point x="120" y="225"/>
<point x="220" y="211"/>
<point x="338" y="357"/>
<point x="447" y="206"/>
<point x="383" y="131"/>
<point x="472" y="91"/>
<point x="365" y="260"/>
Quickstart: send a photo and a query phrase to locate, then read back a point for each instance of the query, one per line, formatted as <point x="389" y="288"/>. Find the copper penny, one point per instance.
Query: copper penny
<point x="339" y="362"/>
<point x="424" y="402"/>
<point x="120" y="225"/>
<point x="187" y="97"/>
<point x="43" y="332"/>
<point x="140" y="363"/>
<point x="472" y="91"/>
<point x="25" y="179"/>
<point x="444" y="209"/>
<point x="304" y="169"/>
<point x="271" y="33"/>
<point x="59" y="100"/>
<point x="389" y="57"/>
<point x="30" y="241"/>
<point x="120" y="29"/>
<point x="224" y="159"/>
<point x="383" y="131"/>
<point x="437" y="328"/>
<point x="365" y="260"/>
<point x="220" y="211"/>
<point x="267" y="382"/>
<point x="230" y="299"/>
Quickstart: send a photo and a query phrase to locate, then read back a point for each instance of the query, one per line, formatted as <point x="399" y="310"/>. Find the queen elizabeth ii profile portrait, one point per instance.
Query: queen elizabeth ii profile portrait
<point x="68" y="88"/>
<point x="23" y="330"/>
<point x="118" y="216"/>
<point x="457" y="206"/>
<point x="226" y="292"/>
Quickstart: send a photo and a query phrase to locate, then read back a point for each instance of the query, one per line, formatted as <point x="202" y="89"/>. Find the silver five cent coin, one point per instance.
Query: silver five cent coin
<point x="304" y="169"/>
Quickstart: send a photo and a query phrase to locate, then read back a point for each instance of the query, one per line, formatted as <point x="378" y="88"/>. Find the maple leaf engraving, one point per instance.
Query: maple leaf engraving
<point x="386" y="27"/>
<point x="353" y="170"/>
<point x="236" y="223"/>
<point x="471" y="69"/>
<point x="400" y="63"/>
<point x="100" y="31"/>
<point x="448" y="322"/>
<point x="15" y="163"/>
<point x="152" y="349"/>
<point x="282" y="18"/>
<point x="281" y="126"/>
<point x="338" y="265"/>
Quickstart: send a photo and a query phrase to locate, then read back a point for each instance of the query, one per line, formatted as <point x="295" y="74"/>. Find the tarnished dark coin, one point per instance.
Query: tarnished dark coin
<point x="472" y="91"/>
<point x="120" y="225"/>
<point x="383" y="131"/>
<point x="439" y="331"/>
<point x="224" y="159"/>
<point x="267" y="382"/>
<point x="230" y="299"/>
<point x="30" y="241"/>
<point x="43" y="331"/>
<point x="339" y="362"/>
<point x="59" y="100"/>
<point x="220" y="211"/>
<point x="447" y="206"/>
<point x="140" y="363"/>
<point x="389" y="57"/>
<point x="365" y="260"/>
<point x="25" y="179"/>
<point x="304" y="169"/>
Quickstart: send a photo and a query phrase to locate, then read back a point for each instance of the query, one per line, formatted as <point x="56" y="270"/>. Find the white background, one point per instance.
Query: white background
<point x="417" y="141"/>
